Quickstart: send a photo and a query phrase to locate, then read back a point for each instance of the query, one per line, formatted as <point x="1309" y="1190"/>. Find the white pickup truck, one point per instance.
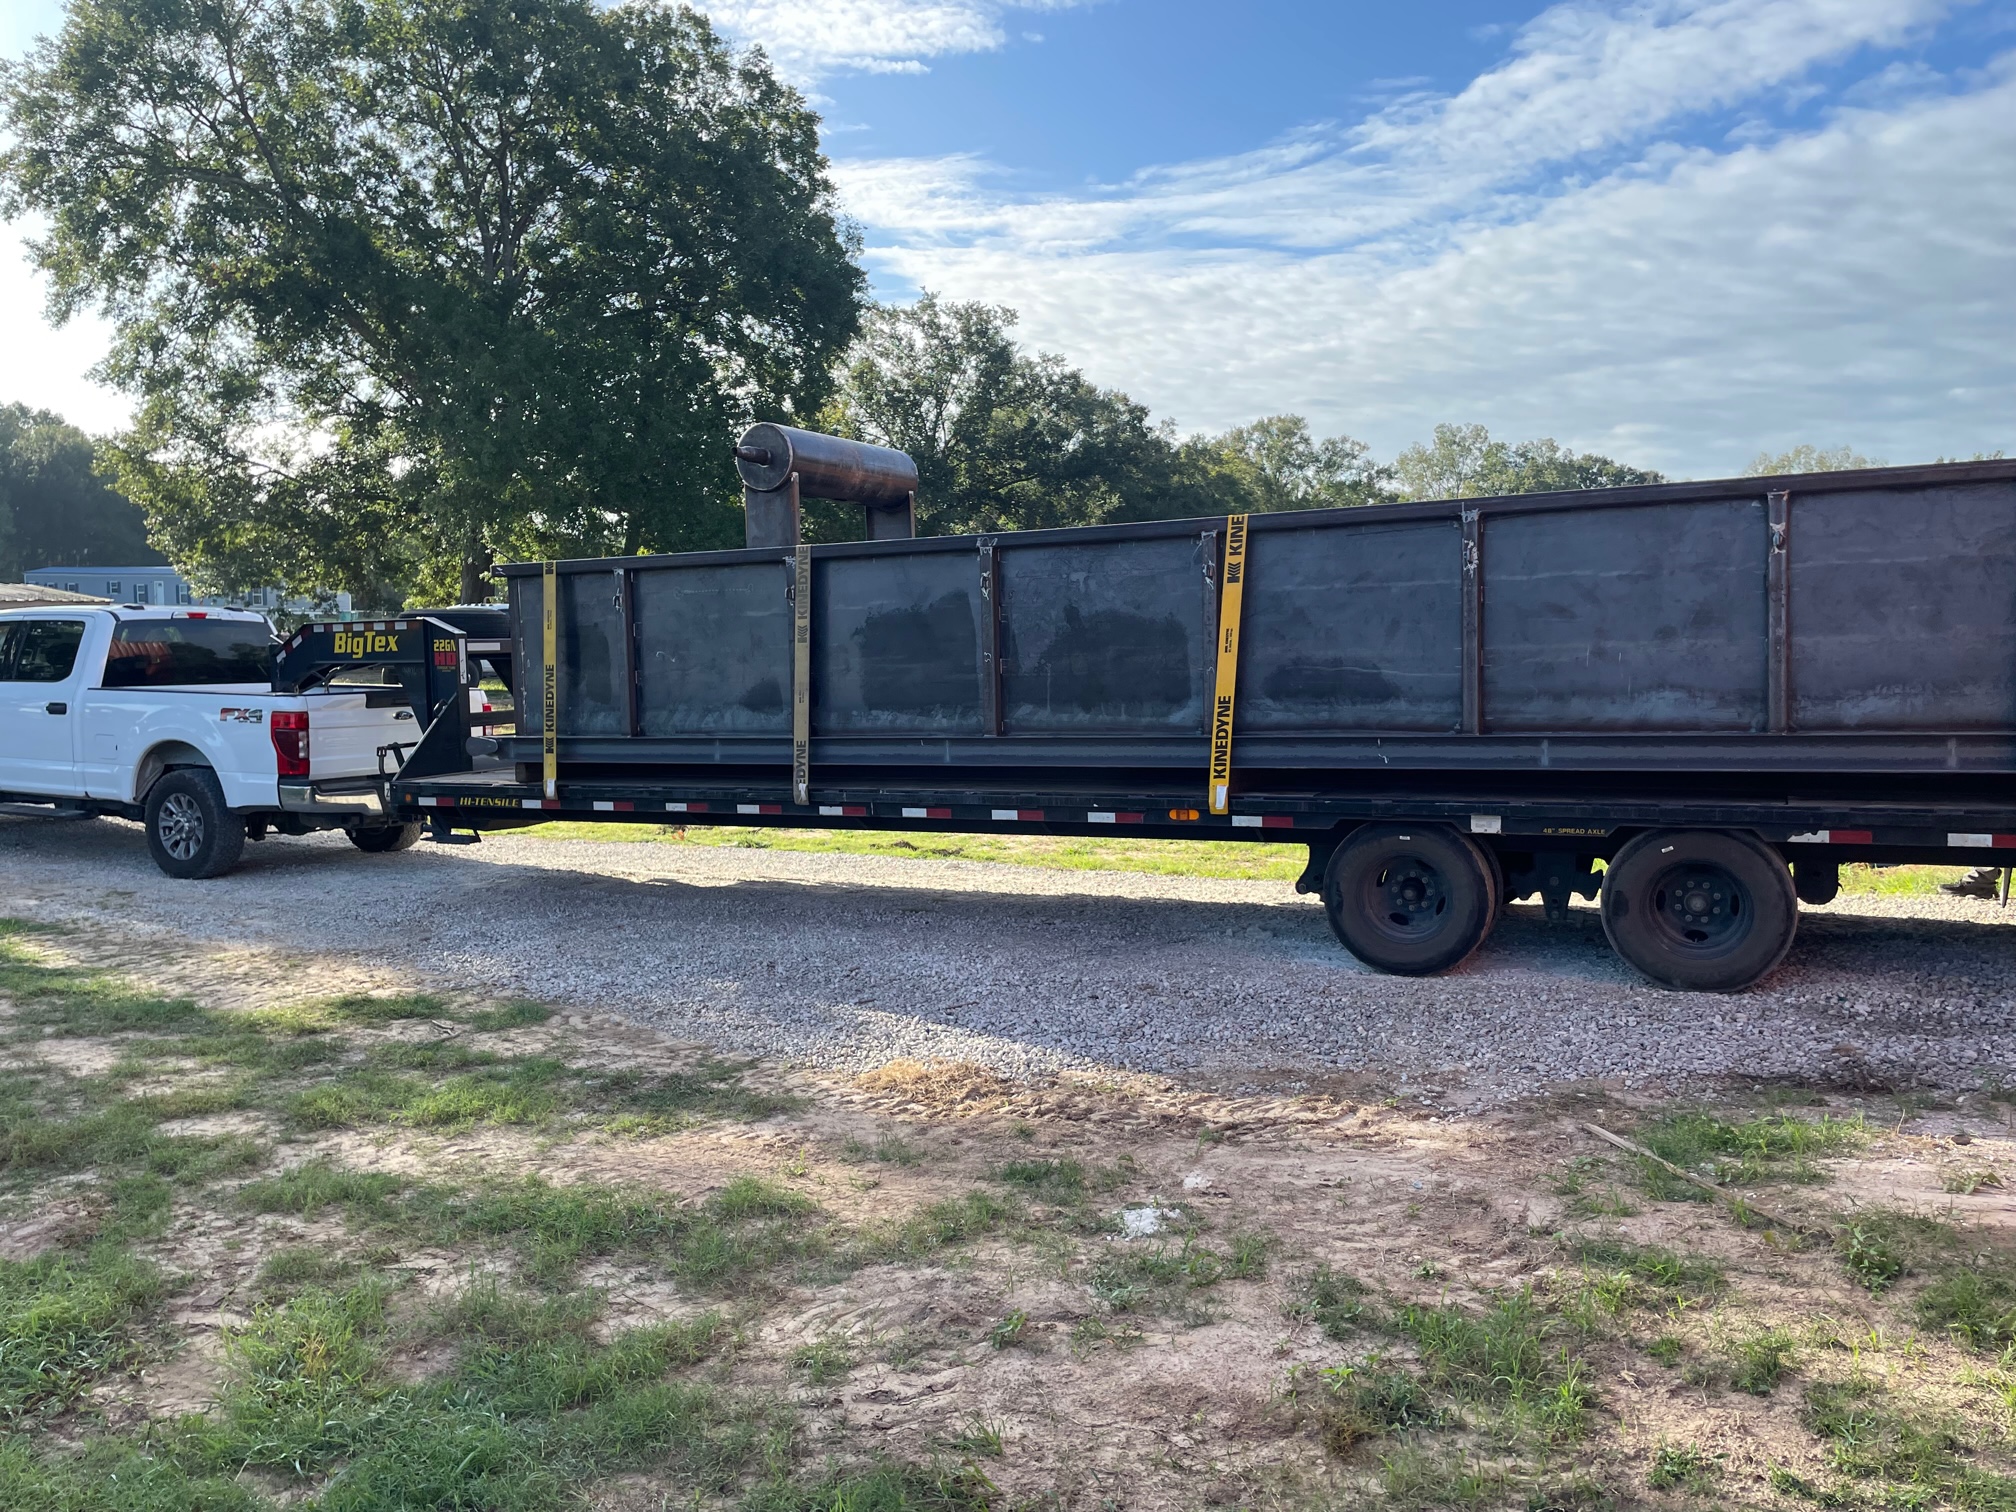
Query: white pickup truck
<point x="169" y="716"/>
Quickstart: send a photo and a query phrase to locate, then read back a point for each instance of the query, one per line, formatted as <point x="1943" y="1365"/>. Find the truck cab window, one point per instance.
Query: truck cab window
<point x="40" y="651"/>
<point x="166" y="653"/>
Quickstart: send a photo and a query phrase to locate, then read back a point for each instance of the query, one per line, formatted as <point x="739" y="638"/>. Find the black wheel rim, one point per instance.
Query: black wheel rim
<point x="1408" y="898"/>
<point x="1702" y="909"/>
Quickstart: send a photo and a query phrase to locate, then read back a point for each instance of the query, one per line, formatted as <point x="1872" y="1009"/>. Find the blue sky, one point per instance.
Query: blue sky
<point x="1679" y="231"/>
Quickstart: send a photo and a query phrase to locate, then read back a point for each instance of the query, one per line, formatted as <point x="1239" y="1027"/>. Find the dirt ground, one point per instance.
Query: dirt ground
<point x="1272" y="1242"/>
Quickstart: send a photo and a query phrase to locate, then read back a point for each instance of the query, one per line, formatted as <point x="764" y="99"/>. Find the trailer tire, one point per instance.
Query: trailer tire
<point x="1411" y="899"/>
<point x="383" y="839"/>
<point x="191" y="831"/>
<point x="1700" y="910"/>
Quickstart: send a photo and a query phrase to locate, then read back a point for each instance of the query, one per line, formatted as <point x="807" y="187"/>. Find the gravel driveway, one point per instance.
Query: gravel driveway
<point x="849" y="961"/>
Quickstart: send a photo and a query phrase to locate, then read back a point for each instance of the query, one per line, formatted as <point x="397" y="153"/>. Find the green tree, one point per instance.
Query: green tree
<point x="1275" y="463"/>
<point x="1809" y="459"/>
<point x="1464" y="462"/>
<point x="55" y="510"/>
<point x="1002" y="440"/>
<point x="406" y="284"/>
<point x="1006" y="441"/>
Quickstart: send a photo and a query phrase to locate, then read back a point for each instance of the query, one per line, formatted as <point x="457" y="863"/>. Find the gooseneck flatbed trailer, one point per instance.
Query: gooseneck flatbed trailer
<point x="1721" y="691"/>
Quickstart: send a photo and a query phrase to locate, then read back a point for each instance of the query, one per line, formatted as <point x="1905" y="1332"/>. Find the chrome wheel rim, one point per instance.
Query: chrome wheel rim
<point x="180" y="826"/>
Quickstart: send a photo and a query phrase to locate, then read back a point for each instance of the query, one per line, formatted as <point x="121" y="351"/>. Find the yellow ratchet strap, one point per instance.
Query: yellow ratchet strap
<point x="1231" y="595"/>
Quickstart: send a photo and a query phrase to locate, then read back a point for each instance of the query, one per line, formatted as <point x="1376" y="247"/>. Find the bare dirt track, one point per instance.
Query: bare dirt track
<point x="849" y="961"/>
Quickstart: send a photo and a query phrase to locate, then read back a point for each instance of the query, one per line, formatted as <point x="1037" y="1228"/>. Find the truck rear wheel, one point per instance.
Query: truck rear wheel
<point x="1700" y="910"/>
<point x="191" y="831"/>
<point x="382" y="839"/>
<point x="1411" y="899"/>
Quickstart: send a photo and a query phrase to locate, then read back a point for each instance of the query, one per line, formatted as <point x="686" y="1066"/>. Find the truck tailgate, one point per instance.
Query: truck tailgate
<point x="348" y="727"/>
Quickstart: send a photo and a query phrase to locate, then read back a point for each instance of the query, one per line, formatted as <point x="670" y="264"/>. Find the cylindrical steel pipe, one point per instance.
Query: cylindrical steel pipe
<point x="827" y="466"/>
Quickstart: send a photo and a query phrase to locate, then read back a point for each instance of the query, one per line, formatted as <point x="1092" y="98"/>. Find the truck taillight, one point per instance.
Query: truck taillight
<point x="290" y="740"/>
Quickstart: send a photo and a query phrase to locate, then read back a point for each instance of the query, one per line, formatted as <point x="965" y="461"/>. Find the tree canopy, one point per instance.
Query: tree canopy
<point x="406" y="282"/>
<point x="1464" y="462"/>
<point x="1810" y="459"/>
<point x="55" y="510"/>
<point x="1006" y="440"/>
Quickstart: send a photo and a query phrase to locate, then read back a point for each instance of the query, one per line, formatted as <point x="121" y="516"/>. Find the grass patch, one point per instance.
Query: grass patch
<point x="1506" y="1354"/>
<point x="1683" y="1467"/>
<point x="1645" y="1274"/>
<point x="114" y="1475"/>
<point x="521" y="1013"/>
<point x="1191" y="858"/>
<point x="932" y="1228"/>
<point x="532" y="1410"/>
<point x="747" y="1228"/>
<point x="1898" y="881"/>
<point x="65" y="1321"/>
<point x="712" y="1090"/>
<point x="1361" y="1403"/>
<point x="370" y="1008"/>
<point x="1975" y="1306"/>
<point x="1335" y="1302"/>
<point x="1137" y="1278"/>
<point x="1916" y="1460"/>
<point x="1061" y="1182"/>
<point x="823" y="1361"/>
<point x="1420" y="1477"/>
<point x="885" y="1488"/>
<point x="1884" y="1245"/>
<point x="1775" y="1147"/>
<point x="1758" y="1363"/>
<point x="75" y="1000"/>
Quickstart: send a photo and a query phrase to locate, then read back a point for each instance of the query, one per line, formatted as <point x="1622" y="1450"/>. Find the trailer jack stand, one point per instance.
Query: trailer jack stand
<point x="441" y="832"/>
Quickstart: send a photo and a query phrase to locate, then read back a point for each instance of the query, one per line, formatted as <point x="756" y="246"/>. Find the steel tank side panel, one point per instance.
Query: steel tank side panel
<point x="896" y="644"/>
<point x="528" y="657"/>
<point x="1108" y="637"/>
<point x="1649" y="618"/>
<point x="593" y="700"/>
<point x="714" y="649"/>
<point x="1903" y="609"/>
<point x="1353" y="627"/>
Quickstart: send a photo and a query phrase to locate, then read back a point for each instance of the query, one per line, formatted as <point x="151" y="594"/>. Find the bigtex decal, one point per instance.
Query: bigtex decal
<point x="363" y="643"/>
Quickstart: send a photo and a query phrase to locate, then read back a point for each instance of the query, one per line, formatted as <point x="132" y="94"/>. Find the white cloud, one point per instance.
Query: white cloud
<point x="46" y="367"/>
<point x="811" y="38"/>
<point x="1680" y="304"/>
<point x="1582" y="79"/>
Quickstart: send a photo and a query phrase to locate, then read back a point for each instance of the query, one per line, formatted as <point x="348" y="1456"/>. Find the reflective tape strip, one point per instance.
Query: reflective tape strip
<point x="616" y="807"/>
<point x="748" y="808"/>
<point x="851" y="810"/>
<point x="1029" y="814"/>
<point x="1487" y="824"/>
<point x="927" y="813"/>
<point x="1102" y="818"/>
<point x="1231" y="597"/>
<point x="1246" y="821"/>
<point x="685" y="808"/>
<point x="1833" y="837"/>
<point x="430" y="803"/>
<point x="549" y="675"/>
<point x="1263" y="821"/>
<point x="1981" y="842"/>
